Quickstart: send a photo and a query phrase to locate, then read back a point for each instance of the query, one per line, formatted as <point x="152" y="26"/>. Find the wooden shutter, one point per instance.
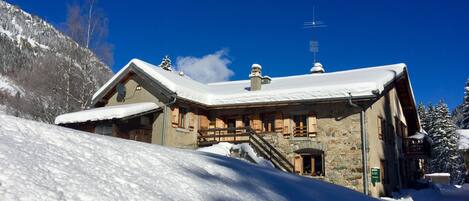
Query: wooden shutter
<point x="286" y="124"/>
<point x="175" y="117"/>
<point x="256" y="122"/>
<point x="203" y="122"/>
<point x="298" y="163"/>
<point x="278" y="122"/>
<point x="312" y="124"/>
<point x="219" y="123"/>
<point x="191" y="120"/>
<point x="239" y="123"/>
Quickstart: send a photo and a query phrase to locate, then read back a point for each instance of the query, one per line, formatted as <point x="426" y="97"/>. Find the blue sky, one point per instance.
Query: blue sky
<point x="431" y="37"/>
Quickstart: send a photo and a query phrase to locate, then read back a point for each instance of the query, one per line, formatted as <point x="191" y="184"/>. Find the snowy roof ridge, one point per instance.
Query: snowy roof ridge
<point x="106" y="113"/>
<point x="361" y="82"/>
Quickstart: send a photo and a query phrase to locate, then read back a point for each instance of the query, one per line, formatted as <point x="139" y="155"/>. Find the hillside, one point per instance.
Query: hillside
<point x="45" y="162"/>
<point x="38" y="59"/>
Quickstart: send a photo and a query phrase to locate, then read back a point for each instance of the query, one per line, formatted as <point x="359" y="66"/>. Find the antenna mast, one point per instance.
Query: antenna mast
<point x="314" y="25"/>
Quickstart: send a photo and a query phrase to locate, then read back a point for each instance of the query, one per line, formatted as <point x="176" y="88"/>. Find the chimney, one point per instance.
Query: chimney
<point x="256" y="77"/>
<point x="317" y="68"/>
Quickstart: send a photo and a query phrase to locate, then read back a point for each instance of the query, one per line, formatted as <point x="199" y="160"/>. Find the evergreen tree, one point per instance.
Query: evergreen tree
<point x="465" y="108"/>
<point x="445" y="154"/>
<point x="422" y="112"/>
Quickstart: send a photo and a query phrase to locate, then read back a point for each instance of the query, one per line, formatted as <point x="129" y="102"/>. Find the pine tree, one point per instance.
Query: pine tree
<point x="445" y="154"/>
<point x="422" y="112"/>
<point x="465" y="108"/>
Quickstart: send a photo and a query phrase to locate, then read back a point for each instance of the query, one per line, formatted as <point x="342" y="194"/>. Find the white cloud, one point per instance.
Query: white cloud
<point x="209" y="68"/>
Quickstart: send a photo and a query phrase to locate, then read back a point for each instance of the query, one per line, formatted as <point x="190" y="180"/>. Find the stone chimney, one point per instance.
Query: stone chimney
<point x="256" y="77"/>
<point x="317" y="68"/>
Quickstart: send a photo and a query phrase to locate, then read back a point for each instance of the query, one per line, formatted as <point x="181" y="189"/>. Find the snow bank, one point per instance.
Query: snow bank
<point x="106" y="113"/>
<point x="463" y="143"/>
<point x="434" y="193"/>
<point x="46" y="162"/>
<point x="359" y="82"/>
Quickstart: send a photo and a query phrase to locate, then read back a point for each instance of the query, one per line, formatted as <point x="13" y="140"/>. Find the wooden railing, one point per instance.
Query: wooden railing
<point x="300" y="131"/>
<point x="245" y="135"/>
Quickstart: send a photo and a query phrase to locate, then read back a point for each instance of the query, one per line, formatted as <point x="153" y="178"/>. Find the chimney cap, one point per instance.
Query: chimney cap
<point x="317" y="68"/>
<point x="256" y="66"/>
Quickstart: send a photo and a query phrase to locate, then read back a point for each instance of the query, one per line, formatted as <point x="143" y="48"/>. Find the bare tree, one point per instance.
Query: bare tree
<point x="88" y="26"/>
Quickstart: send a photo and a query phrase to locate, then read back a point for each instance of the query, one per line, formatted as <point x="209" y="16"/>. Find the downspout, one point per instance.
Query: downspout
<point x="364" y="141"/>
<point x="165" y="115"/>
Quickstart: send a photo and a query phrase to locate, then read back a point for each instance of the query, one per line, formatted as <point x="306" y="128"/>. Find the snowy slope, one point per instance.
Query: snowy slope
<point x="45" y="162"/>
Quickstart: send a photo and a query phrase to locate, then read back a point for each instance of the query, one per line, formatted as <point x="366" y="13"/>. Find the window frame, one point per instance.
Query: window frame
<point x="182" y="117"/>
<point x="381" y="123"/>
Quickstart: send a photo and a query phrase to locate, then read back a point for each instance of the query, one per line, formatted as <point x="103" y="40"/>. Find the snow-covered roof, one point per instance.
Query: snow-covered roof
<point x="106" y="113"/>
<point x="364" y="82"/>
<point x="463" y="143"/>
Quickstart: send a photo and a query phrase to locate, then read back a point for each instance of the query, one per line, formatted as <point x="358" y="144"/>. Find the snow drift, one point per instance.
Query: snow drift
<point x="45" y="162"/>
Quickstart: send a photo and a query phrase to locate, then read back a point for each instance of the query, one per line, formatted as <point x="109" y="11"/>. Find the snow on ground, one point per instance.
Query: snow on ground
<point x="435" y="193"/>
<point x="46" y="162"/>
<point x="244" y="150"/>
<point x="463" y="138"/>
<point x="106" y="113"/>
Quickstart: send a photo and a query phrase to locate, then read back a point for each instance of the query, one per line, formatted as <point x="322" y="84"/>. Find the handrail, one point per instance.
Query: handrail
<point x="256" y="141"/>
<point x="289" y="168"/>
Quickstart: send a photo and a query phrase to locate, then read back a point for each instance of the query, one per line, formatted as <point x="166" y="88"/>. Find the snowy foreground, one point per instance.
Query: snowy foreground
<point x="435" y="193"/>
<point x="45" y="162"/>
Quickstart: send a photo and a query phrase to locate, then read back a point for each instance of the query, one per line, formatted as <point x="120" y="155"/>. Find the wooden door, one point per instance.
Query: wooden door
<point x="298" y="163"/>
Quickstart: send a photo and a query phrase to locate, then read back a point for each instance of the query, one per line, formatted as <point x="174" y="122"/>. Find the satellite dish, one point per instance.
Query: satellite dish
<point x="120" y="92"/>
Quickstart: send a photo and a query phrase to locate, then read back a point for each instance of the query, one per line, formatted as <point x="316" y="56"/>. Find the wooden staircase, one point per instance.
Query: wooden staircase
<point x="245" y="135"/>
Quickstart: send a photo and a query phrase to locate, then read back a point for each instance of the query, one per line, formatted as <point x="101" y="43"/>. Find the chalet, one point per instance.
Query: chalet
<point x="357" y="128"/>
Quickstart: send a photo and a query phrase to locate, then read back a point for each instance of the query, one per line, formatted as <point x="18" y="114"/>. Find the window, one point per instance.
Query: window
<point x="381" y="124"/>
<point x="246" y="120"/>
<point x="182" y="117"/>
<point x="309" y="162"/>
<point x="300" y="128"/>
<point x="231" y="125"/>
<point x="120" y="88"/>
<point x="104" y="129"/>
<point x="382" y="167"/>
<point x="268" y="122"/>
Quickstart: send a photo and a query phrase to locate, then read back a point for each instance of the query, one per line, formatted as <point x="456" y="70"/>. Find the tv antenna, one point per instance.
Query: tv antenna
<point x="314" y="25"/>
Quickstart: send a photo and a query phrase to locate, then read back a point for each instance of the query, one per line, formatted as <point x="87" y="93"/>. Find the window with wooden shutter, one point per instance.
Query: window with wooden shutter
<point x="312" y="125"/>
<point x="182" y="121"/>
<point x="203" y="122"/>
<point x="380" y="128"/>
<point x="175" y="117"/>
<point x="278" y="122"/>
<point x="191" y="120"/>
<point x="384" y="178"/>
<point x="286" y="125"/>
<point x="256" y="122"/>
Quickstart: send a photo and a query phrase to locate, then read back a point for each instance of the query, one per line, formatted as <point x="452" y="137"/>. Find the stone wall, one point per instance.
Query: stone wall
<point x="338" y="135"/>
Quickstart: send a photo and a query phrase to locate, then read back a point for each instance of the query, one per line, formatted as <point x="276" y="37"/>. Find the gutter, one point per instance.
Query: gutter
<point x="364" y="141"/>
<point x="165" y="116"/>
